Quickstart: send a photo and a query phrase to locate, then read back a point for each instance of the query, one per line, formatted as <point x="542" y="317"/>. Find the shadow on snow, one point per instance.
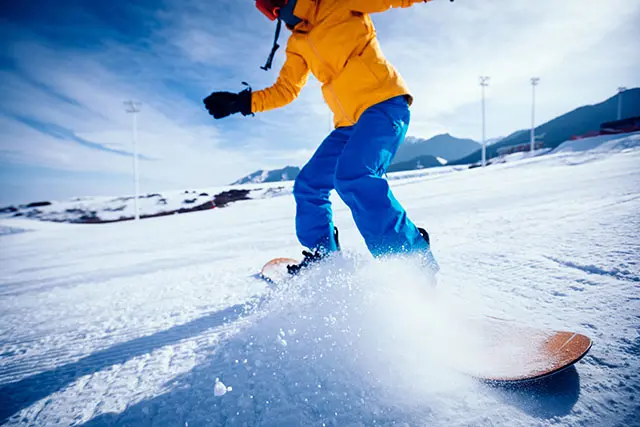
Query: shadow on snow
<point x="22" y="394"/>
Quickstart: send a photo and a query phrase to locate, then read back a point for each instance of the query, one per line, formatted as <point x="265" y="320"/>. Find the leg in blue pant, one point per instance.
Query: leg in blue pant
<point x="314" y="223"/>
<point x="360" y="183"/>
<point x="353" y="160"/>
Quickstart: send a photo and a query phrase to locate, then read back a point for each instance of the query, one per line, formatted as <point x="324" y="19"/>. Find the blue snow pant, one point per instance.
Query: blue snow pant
<point x="352" y="160"/>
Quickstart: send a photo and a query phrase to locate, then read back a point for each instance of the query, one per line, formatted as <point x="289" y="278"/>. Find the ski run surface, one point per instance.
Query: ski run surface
<point x="160" y="323"/>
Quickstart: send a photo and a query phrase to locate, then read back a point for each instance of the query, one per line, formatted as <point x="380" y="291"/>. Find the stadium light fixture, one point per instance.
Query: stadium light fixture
<point x="621" y="90"/>
<point x="133" y="108"/>
<point x="484" y="82"/>
<point x="534" y="82"/>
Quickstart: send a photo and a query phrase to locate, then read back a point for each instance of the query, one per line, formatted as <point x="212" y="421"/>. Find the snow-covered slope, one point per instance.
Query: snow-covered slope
<point x="132" y="323"/>
<point x="94" y="210"/>
<point x="602" y="143"/>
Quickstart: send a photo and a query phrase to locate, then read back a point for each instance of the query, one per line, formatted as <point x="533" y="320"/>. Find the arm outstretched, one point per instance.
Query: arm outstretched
<point x="293" y="76"/>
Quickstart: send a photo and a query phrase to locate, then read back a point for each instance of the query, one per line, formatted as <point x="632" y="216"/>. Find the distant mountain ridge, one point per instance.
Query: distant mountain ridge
<point x="418" y="153"/>
<point x="577" y="122"/>
<point x="288" y="173"/>
<point x="444" y="146"/>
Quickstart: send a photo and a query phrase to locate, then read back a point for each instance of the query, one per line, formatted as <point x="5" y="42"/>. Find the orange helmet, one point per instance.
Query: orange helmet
<point x="271" y="8"/>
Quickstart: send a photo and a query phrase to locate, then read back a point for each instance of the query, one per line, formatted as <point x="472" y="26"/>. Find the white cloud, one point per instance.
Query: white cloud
<point x="184" y="150"/>
<point x="443" y="48"/>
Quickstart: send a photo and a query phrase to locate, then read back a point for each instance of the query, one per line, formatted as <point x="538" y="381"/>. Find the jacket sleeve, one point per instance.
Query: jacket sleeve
<point x="293" y="76"/>
<point x="372" y="6"/>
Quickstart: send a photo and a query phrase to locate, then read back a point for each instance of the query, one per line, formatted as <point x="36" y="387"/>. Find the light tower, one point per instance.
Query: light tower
<point x="484" y="82"/>
<point x="534" y="82"/>
<point x="133" y="107"/>
<point x="621" y="90"/>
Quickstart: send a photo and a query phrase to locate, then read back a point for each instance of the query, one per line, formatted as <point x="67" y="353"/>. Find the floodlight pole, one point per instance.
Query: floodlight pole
<point x="133" y="107"/>
<point x="484" y="82"/>
<point x="534" y="83"/>
<point x="621" y="90"/>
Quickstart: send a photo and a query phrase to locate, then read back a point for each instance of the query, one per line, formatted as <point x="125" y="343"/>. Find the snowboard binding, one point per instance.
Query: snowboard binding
<point x="312" y="257"/>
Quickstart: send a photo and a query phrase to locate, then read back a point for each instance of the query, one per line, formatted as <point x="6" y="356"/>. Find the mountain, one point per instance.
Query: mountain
<point x="491" y="141"/>
<point x="288" y="173"/>
<point x="414" y="153"/>
<point x="444" y="146"/>
<point x="577" y="122"/>
<point x="419" y="162"/>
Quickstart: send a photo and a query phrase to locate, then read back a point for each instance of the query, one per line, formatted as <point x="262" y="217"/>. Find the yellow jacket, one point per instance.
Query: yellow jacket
<point x="336" y="41"/>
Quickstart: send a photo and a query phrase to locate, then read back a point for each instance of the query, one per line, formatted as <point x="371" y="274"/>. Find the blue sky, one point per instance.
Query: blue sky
<point x="67" y="66"/>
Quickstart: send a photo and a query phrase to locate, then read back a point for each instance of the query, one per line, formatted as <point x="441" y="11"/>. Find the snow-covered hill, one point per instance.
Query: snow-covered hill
<point x="132" y="323"/>
<point x="581" y="121"/>
<point x="445" y="146"/>
<point x="97" y="210"/>
<point x="601" y="144"/>
<point x="288" y="173"/>
<point x="417" y="163"/>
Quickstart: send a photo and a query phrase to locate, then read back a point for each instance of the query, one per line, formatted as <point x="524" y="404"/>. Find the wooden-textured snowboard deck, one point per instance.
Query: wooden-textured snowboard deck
<point x="541" y="354"/>
<point x="275" y="271"/>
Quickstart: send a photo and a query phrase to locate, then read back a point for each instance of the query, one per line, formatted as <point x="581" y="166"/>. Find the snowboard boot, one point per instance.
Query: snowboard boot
<point x="428" y="260"/>
<point x="312" y="257"/>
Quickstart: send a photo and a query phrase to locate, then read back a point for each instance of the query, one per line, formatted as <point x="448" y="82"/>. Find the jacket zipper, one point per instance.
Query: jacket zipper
<point x="315" y="51"/>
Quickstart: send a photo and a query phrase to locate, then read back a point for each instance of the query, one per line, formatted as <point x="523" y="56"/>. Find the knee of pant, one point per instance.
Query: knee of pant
<point x="345" y="184"/>
<point x="301" y="185"/>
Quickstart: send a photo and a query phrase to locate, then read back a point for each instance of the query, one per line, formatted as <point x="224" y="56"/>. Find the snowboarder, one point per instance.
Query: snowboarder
<point x="336" y="41"/>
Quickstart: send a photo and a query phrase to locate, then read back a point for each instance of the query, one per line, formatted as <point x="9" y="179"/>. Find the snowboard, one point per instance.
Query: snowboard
<point x="275" y="271"/>
<point x="489" y="348"/>
<point x="507" y="352"/>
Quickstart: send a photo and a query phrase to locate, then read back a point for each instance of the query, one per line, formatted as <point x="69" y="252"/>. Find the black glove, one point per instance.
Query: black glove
<point x="223" y="104"/>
